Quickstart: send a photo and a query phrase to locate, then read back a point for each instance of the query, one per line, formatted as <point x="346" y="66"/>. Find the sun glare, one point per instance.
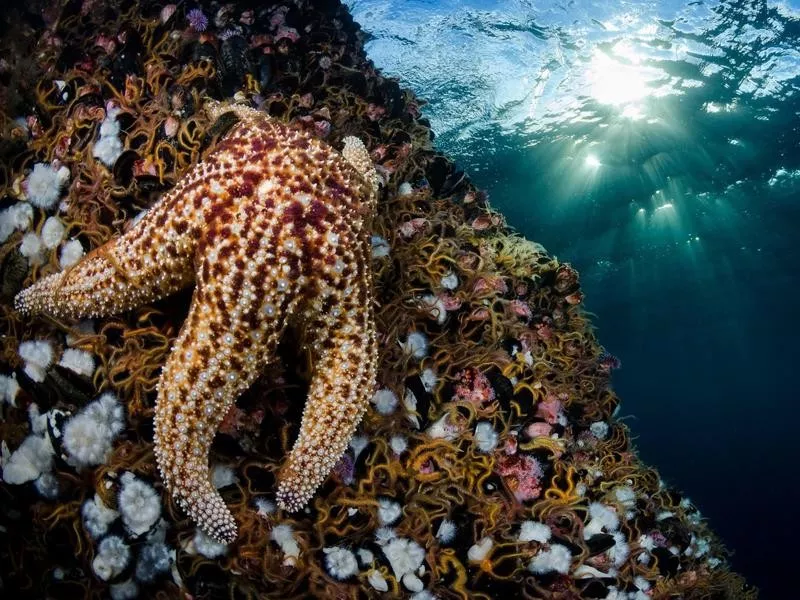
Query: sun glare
<point x="618" y="83"/>
<point x="592" y="161"/>
<point x="632" y="112"/>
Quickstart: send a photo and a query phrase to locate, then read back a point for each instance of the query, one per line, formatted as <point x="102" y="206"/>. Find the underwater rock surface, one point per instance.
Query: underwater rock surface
<point x="489" y="464"/>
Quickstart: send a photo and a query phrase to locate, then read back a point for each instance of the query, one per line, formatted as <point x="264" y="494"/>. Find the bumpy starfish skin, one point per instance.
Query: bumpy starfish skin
<point x="271" y="228"/>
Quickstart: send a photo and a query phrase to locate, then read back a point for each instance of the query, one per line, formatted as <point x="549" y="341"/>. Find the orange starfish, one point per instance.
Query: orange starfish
<point x="272" y="229"/>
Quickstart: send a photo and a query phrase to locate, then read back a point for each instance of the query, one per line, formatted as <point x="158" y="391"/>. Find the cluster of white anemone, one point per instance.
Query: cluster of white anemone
<point x="86" y="439"/>
<point x="34" y="457"/>
<point x="115" y="553"/>
<point x="43" y="189"/>
<point x="43" y="186"/>
<point x="39" y="355"/>
<point x="16" y="217"/>
<point x="404" y="555"/>
<point x="132" y="534"/>
<point x="35" y="246"/>
<point x="89" y="435"/>
<point x="108" y="146"/>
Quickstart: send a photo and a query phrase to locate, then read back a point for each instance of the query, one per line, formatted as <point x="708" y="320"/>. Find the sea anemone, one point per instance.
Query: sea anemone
<point x="18" y="216"/>
<point x="486" y="437"/>
<point x="9" y="388"/>
<point x="416" y="345"/>
<point x="108" y="147"/>
<point x="602" y="519"/>
<point x="43" y="187"/>
<point x="127" y="590"/>
<point x="153" y="560"/>
<point x="283" y="535"/>
<point x="340" y="562"/>
<point x="385" y="401"/>
<point x="206" y="546"/>
<point x="78" y="361"/>
<point x="28" y="462"/>
<point x="71" y="252"/>
<point x="32" y="248"/>
<point x="197" y="20"/>
<point x="97" y="517"/>
<point x="88" y="435"/>
<point x="404" y="555"/>
<point x="113" y="555"/>
<point x="389" y="511"/>
<point x="556" y="559"/>
<point x="447" y="531"/>
<point x="38" y="356"/>
<point x="139" y="504"/>
<point x="533" y="531"/>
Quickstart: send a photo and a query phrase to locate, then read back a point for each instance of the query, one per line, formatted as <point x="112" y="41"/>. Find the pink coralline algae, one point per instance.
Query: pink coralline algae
<point x="409" y="229"/>
<point x="659" y="539"/>
<point x="278" y="17"/>
<point x="491" y="283"/>
<point x="538" y="429"/>
<point x="522" y="474"/>
<point x="322" y="128"/>
<point x="449" y="301"/>
<point x="549" y="410"/>
<point x="287" y="33"/>
<point x="519" y="309"/>
<point x="544" y="330"/>
<point x="106" y="43"/>
<point x="237" y="421"/>
<point x="345" y="469"/>
<point x="474" y="388"/>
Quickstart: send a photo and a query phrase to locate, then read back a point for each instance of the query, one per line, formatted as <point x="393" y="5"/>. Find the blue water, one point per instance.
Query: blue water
<point x="656" y="146"/>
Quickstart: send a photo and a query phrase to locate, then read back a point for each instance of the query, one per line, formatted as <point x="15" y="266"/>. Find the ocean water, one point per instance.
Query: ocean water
<point x="655" y="146"/>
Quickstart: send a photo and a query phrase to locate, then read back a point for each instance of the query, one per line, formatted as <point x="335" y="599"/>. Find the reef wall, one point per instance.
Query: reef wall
<point x="490" y="463"/>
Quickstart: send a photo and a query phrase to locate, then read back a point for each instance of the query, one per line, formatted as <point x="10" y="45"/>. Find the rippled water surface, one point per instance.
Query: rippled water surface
<point x="656" y="146"/>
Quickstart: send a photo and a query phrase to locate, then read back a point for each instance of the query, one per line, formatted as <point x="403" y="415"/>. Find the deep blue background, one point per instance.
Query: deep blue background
<point x="655" y="145"/>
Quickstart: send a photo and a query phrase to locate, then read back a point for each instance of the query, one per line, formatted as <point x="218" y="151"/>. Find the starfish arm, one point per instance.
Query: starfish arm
<point x="343" y="379"/>
<point x="339" y="394"/>
<point x="238" y="314"/>
<point x="152" y="260"/>
<point x="214" y="359"/>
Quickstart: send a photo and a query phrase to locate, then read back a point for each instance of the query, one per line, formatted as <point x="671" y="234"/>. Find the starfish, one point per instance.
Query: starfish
<point x="272" y="229"/>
